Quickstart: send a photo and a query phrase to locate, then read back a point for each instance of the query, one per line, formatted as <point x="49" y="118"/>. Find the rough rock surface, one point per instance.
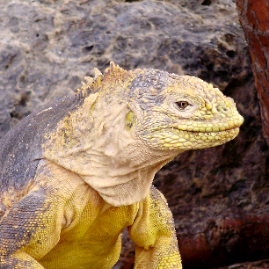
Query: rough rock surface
<point x="253" y="16"/>
<point x="262" y="264"/>
<point x="219" y="196"/>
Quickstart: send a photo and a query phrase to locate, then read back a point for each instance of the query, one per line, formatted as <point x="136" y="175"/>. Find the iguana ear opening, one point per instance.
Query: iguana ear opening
<point x="130" y="120"/>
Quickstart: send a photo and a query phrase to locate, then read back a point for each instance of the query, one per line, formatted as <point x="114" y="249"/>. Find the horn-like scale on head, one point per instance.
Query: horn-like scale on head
<point x="113" y="75"/>
<point x="91" y="83"/>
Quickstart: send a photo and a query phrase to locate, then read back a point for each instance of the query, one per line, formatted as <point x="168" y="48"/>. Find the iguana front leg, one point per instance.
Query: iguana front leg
<point x="32" y="226"/>
<point x="28" y="231"/>
<point x="154" y="235"/>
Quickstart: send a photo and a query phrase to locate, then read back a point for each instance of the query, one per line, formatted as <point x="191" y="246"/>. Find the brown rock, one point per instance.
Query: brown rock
<point x="253" y="16"/>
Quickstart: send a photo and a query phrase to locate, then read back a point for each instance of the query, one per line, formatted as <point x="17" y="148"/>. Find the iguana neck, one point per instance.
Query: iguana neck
<point x="94" y="143"/>
<point x="123" y="185"/>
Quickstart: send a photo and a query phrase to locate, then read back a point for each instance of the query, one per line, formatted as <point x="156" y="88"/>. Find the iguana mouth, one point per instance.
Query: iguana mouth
<point x="191" y="129"/>
<point x="175" y="134"/>
<point x="211" y="127"/>
<point x="172" y="138"/>
<point x="200" y="127"/>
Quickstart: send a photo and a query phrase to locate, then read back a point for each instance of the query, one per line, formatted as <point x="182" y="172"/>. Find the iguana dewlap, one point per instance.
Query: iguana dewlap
<point x="77" y="172"/>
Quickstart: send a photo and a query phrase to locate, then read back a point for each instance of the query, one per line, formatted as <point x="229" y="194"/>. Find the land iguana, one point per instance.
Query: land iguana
<point x="78" y="171"/>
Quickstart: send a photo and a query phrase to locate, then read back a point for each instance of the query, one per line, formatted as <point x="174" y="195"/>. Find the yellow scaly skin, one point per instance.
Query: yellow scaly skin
<point x="77" y="172"/>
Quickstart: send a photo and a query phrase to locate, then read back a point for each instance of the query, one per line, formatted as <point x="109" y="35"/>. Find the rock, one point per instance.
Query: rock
<point x="262" y="264"/>
<point x="253" y="17"/>
<point x="219" y="196"/>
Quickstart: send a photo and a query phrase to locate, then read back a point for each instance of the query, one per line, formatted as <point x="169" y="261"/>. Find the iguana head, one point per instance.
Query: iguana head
<point x="171" y="112"/>
<point x="181" y="112"/>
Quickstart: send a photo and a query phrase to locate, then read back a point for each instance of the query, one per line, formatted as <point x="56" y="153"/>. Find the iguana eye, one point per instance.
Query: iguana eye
<point x="182" y="104"/>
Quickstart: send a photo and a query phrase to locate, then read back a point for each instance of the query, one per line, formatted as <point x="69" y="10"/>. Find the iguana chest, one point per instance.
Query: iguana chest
<point x="94" y="240"/>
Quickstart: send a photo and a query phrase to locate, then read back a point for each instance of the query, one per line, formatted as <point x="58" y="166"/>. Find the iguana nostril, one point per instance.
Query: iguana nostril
<point x="223" y="109"/>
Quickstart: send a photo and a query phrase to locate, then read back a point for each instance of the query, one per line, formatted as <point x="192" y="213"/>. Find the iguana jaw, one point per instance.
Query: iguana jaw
<point x="192" y="134"/>
<point x="175" y="139"/>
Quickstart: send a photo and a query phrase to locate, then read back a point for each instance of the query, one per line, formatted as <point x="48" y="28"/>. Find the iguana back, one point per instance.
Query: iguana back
<point x="21" y="150"/>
